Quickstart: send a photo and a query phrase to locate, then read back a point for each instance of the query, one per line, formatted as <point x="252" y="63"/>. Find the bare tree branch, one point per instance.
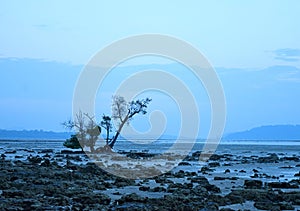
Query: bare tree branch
<point x="124" y="112"/>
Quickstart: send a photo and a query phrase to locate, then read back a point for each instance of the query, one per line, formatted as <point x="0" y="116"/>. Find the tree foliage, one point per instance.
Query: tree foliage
<point x="87" y="131"/>
<point x="106" y="124"/>
<point x="123" y="112"/>
<point x="73" y="143"/>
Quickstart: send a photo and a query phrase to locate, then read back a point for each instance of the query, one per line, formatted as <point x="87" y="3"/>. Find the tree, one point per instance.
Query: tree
<point x="73" y="143"/>
<point x="106" y="124"/>
<point x="87" y="131"/>
<point x="123" y="112"/>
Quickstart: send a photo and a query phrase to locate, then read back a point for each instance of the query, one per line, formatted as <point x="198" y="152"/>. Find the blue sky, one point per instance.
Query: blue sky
<point x="254" y="46"/>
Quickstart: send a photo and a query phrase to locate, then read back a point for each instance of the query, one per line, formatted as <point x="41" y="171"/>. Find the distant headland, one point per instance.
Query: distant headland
<point x="269" y="132"/>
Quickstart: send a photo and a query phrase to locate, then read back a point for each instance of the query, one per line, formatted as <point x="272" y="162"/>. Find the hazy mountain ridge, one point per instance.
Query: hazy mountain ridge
<point x="269" y="132"/>
<point x="33" y="134"/>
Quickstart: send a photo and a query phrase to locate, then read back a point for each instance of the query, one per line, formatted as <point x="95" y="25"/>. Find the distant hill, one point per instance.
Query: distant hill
<point x="271" y="132"/>
<point x="33" y="134"/>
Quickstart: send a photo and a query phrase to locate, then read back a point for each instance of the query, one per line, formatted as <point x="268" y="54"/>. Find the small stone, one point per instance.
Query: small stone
<point x="227" y="171"/>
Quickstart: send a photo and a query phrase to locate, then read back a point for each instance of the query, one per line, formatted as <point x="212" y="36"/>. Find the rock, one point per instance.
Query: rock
<point x="266" y="205"/>
<point x="215" y="157"/>
<point x="47" y="156"/>
<point x="30" y="204"/>
<point x="183" y="163"/>
<point x="42" y="181"/>
<point x="210" y="206"/>
<point x="220" y="178"/>
<point x="70" y="165"/>
<point x="225" y="178"/>
<point x="132" y="206"/>
<point x="286" y="206"/>
<point x="13" y="193"/>
<point x="235" y="198"/>
<point x="212" y="188"/>
<point x="130" y="198"/>
<point x="65" y="151"/>
<point x="253" y="184"/>
<point x="160" y="180"/>
<point x="40" y="184"/>
<point x="200" y="191"/>
<point x="190" y="174"/>
<point x="77" y="158"/>
<point x="122" y="182"/>
<point x="272" y="158"/>
<point x="11" y="152"/>
<point x="92" y="199"/>
<point x="281" y="185"/>
<point x="227" y="171"/>
<point x="46" y="163"/>
<point x="242" y="171"/>
<point x="213" y="164"/>
<point x="297" y="174"/>
<point x="255" y="195"/>
<point x="199" y="179"/>
<point x="254" y="176"/>
<point x="292" y="197"/>
<point x="196" y="154"/>
<point x="35" y="160"/>
<point x="144" y="188"/>
<point x="158" y="189"/>
<point x="205" y="169"/>
<point x="179" y="174"/>
<point x="46" y="151"/>
<point x="294" y="158"/>
<point x="139" y="155"/>
<point x="286" y="167"/>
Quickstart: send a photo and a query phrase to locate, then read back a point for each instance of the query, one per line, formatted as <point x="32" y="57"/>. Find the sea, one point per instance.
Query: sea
<point x="289" y="147"/>
<point x="239" y="150"/>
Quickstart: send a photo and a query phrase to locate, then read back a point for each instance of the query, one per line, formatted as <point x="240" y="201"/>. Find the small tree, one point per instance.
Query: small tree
<point x="123" y="112"/>
<point x="73" y="143"/>
<point x="106" y="124"/>
<point x="87" y="131"/>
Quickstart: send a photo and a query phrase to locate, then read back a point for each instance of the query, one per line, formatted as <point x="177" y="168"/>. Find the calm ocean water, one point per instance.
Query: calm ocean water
<point x="290" y="147"/>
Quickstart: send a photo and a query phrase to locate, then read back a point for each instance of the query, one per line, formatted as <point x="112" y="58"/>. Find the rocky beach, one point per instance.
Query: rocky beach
<point x="68" y="180"/>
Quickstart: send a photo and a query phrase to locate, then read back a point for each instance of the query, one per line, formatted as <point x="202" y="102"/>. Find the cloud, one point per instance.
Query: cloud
<point x="287" y="54"/>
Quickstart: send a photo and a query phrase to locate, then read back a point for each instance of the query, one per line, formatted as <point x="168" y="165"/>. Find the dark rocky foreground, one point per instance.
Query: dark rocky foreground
<point x="41" y="183"/>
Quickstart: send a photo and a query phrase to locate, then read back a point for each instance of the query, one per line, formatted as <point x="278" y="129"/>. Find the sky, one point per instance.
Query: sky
<point x="253" y="45"/>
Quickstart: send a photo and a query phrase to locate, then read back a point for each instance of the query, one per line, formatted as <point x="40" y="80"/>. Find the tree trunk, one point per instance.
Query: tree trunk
<point x="107" y="136"/>
<point x="92" y="149"/>
<point x="112" y="143"/>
